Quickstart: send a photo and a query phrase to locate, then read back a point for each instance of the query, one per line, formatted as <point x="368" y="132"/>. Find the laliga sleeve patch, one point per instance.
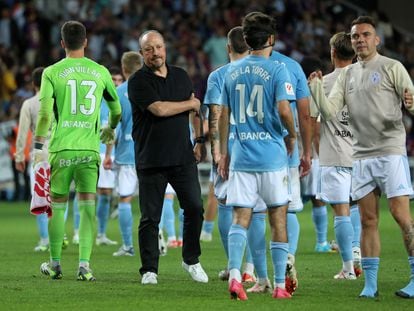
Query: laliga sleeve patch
<point x="289" y="88"/>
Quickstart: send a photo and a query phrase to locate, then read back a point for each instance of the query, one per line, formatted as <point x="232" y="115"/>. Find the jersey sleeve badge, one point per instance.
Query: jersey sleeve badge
<point x="289" y="89"/>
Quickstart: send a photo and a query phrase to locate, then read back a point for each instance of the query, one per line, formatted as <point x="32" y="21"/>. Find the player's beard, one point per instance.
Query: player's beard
<point x="157" y="63"/>
<point x="364" y="52"/>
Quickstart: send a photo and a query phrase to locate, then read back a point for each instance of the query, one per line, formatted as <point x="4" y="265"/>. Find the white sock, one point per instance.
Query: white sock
<point x="262" y="281"/>
<point x="348" y="266"/>
<point x="280" y="285"/>
<point x="235" y="274"/>
<point x="54" y="263"/>
<point x="248" y="268"/>
<point x="84" y="264"/>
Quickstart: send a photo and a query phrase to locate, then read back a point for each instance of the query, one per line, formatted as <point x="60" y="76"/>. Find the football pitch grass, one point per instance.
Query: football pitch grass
<point x="118" y="286"/>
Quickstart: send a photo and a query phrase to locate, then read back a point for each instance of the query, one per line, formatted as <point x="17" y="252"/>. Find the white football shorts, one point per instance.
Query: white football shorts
<point x="390" y="173"/>
<point x="334" y="186"/>
<point x="220" y="191"/>
<point x="296" y="204"/>
<point x="127" y="180"/>
<point x="309" y="183"/>
<point x="106" y="177"/>
<point x="169" y="190"/>
<point x="246" y="188"/>
<point x="220" y="186"/>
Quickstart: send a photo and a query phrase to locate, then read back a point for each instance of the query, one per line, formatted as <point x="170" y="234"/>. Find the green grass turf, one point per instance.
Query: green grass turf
<point x="118" y="287"/>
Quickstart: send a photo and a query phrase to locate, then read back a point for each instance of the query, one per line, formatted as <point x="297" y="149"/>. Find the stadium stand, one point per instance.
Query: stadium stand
<point x="30" y="29"/>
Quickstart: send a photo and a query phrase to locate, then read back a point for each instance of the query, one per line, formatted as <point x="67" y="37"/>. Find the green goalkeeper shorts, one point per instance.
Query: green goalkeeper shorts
<point x="80" y="166"/>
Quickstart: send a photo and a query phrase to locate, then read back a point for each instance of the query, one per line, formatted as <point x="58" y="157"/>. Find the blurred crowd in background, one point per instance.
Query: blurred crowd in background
<point x="195" y="33"/>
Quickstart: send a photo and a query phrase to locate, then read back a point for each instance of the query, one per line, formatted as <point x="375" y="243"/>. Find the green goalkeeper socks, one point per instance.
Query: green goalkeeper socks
<point x="86" y="229"/>
<point x="57" y="230"/>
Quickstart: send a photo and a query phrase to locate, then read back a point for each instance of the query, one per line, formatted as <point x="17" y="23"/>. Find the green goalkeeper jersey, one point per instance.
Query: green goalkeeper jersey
<point x="71" y="94"/>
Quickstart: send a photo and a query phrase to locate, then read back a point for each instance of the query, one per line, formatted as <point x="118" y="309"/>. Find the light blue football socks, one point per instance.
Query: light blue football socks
<point x="279" y="252"/>
<point x="224" y="221"/>
<point x="237" y="244"/>
<point x="125" y="222"/>
<point x="370" y="267"/>
<point x="293" y="230"/>
<point x="344" y="234"/>
<point x="102" y="212"/>
<point x="256" y="235"/>
<point x="356" y="225"/>
<point x="320" y="220"/>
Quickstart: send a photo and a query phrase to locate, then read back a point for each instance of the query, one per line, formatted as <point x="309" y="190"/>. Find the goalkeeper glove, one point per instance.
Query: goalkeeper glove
<point x="107" y="135"/>
<point x="37" y="155"/>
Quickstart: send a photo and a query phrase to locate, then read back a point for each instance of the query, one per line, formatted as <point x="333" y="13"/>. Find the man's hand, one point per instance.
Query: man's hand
<point x="107" y="135"/>
<point x="200" y="152"/>
<point x="305" y="165"/>
<point x="223" y="167"/>
<point x="195" y="102"/>
<point x="408" y="99"/>
<point x="290" y="144"/>
<point x="107" y="163"/>
<point x="37" y="156"/>
<point x="20" y="166"/>
<point x="315" y="75"/>
<point x="216" y="157"/>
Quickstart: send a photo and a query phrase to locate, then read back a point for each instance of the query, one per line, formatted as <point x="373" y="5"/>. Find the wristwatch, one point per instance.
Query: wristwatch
<point x="200" y="140"/>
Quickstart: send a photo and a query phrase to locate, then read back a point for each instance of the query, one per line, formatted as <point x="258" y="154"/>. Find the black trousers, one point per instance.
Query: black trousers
<point x="18" y="193"/>
<point x="152" y="185"/>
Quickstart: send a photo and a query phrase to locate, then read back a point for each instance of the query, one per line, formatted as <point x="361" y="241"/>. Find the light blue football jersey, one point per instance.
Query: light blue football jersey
<point x="251" y="89"/>
<point x="104" y="122"/>
<point x="214" y="85"/>
<point x="300" y="86"/>
<point x="124" y="148"/>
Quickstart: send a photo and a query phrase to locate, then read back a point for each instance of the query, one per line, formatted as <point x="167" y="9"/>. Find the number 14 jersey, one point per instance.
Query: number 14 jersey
<point x="252" y="88"/>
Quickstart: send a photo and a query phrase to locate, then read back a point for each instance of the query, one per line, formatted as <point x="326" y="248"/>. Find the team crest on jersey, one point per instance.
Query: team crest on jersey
<point x="285" y="180"/>
<point x="289" y="88"/>
<point x="343" y="116"/>
<point x="375" y="78"/>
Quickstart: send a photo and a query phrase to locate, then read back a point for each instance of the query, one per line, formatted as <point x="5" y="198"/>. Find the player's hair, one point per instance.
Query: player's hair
<point x="341" y="42"/>
<point x="37" y="76"/>
<point x="131" y="62"/>
<point x="236" y="40"/>
<point x="73" y="35"/>
<point x="257" y="27"/>
<point x="310" y="64"/>
<point x="115" y="70"/>
<point x="364" y="20"/>
<point x="147" y="32"/>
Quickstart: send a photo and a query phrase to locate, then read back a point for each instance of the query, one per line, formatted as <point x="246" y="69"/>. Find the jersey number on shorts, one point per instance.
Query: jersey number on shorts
<point x="91" y="85"/>
<point x="255" y="96"/>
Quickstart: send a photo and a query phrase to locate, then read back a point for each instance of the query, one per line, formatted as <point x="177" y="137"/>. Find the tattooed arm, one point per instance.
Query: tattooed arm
<point x="214" y="114"/>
